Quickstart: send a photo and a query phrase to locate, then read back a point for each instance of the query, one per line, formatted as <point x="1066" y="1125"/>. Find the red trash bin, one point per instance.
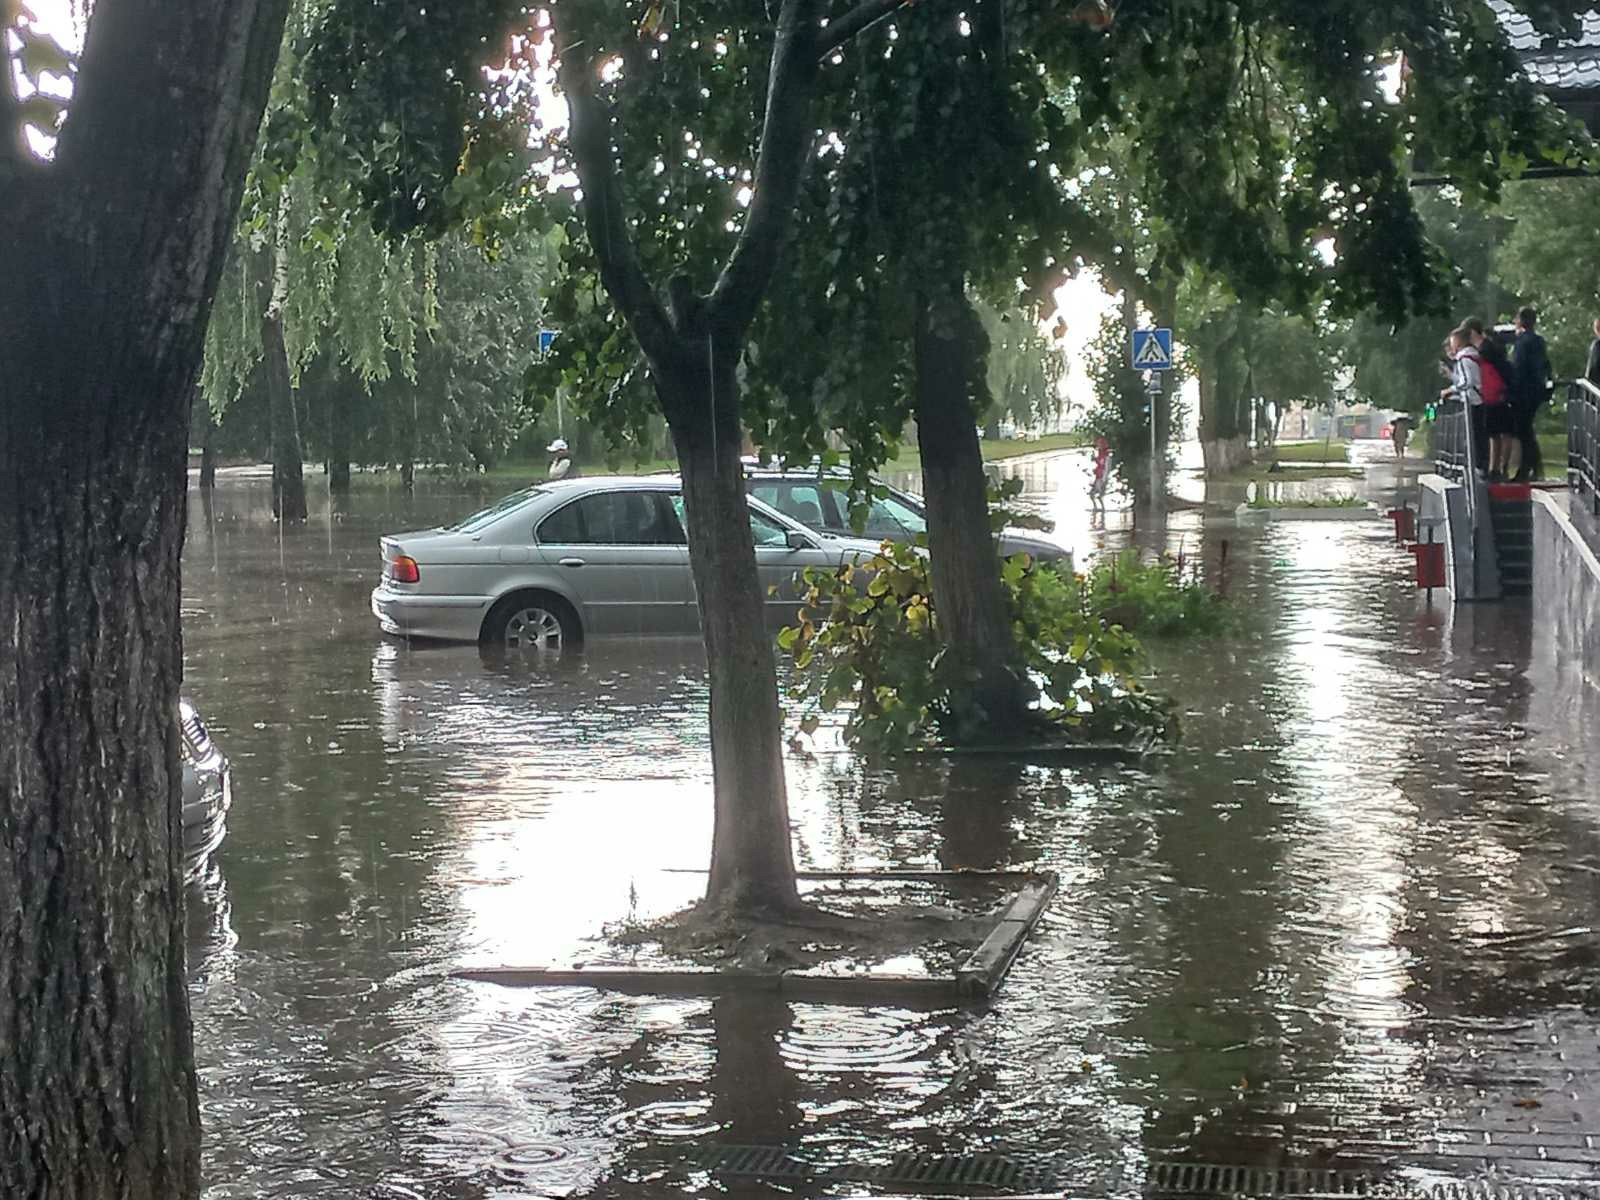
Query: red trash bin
<point x="1430" y="563"/>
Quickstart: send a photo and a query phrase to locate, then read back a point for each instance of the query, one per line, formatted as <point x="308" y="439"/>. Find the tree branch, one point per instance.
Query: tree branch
<point x="589" y="139"/>
<point x="859" y="19"/>
<point x="786" y="134"/>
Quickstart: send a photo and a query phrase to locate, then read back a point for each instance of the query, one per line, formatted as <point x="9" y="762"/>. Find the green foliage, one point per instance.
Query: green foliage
<point x="994" y="145"/>
<point x="1025" y="369"/>
<point x="1550" y="258"/>
<point x="305" y="248"/>
<point x="868" y="644"/>
<point x="1159" y="598"/>
<point x="1395" y="366"/>
<point x="398" y="94"/>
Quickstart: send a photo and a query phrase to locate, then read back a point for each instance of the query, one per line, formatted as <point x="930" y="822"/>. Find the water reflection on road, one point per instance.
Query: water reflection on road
<point x="1350" y="920"/>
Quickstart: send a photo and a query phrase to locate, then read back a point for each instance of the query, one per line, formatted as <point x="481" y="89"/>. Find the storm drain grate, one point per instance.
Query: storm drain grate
<point x="995" y="1171"/>
<point x="1204" y="1179"/>
<point x="1207" y="1180"/>
<point x="1165" y="1181"/>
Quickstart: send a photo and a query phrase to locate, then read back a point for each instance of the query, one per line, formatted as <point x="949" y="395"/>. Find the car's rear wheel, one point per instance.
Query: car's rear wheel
<point x="535" y="621"/>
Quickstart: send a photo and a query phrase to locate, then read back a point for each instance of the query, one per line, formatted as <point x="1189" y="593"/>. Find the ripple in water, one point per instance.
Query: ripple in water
<point x="665" y="1119"/>
<point x="829" y="1039"/>
<point x="519" y="1164"/>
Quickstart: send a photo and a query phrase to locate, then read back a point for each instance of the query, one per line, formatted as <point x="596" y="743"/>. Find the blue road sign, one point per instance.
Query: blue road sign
<point x="546" y="336"/>
<point x="1152" y="350"/>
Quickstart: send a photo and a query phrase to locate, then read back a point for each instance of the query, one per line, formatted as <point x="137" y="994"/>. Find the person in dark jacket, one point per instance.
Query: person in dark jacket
<point x="1592" y="371"/>
<point x="1532" y="389"/>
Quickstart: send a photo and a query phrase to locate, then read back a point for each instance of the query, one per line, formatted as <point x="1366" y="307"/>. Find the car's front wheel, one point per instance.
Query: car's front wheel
<point x="527" y="621"/>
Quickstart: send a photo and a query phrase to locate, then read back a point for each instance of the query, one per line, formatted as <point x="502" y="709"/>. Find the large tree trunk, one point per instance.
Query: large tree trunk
<point x="1223" y="440"/>
<point x="694" y="352"/>
<point x="208" y="453"/>
<point x="752" y="863"/>
<point x="288" y="471"/>
<point x="338" y="441"/>
<point x="968" y="596"/>
<point x="112" y="255"/>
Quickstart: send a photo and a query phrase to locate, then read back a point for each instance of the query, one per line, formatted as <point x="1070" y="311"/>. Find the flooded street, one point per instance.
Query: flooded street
<point x="1351" y="921"/>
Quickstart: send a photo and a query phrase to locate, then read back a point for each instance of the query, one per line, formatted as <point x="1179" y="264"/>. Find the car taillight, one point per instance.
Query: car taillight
<point x="404" y="570"/>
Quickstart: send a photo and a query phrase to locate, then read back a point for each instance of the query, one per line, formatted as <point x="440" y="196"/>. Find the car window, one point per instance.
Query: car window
<point x="482" y="517"/>
<point x="808" y="503"/>
<point x="892" y="517"/>
<point x="763" y="529"/>
<point x="766" y="531"/>
<point x="613" y="519"/>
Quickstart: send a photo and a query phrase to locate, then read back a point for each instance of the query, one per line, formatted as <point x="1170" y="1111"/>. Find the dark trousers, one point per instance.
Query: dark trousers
<point x="1532" y="457"/>
<point x="1480" y="437"/>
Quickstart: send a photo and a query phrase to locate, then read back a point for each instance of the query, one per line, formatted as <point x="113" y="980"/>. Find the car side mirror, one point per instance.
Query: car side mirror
<point x="796" y="540"/>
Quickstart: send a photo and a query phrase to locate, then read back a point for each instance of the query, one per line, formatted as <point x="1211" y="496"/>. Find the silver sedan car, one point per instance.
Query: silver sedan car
<point x="557" y="562"/>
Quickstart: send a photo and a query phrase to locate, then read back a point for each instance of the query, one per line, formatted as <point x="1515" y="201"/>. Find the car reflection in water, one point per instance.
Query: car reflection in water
<point x="207" y="793"/>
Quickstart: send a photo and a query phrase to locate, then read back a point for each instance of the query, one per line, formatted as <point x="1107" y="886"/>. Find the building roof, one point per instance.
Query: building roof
<point x="1554" y="63"/>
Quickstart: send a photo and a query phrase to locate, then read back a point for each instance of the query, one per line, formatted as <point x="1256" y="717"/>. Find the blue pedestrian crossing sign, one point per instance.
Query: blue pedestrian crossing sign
<point x="1152" y="350"/>
<point x="546" y="336"/>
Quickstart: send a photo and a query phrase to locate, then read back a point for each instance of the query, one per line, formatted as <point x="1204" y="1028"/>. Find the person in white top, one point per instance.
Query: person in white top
<point x="562" y="466"/>
<point x="1466" y="385"/>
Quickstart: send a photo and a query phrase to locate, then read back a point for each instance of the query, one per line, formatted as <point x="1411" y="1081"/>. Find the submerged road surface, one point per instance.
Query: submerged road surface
<point x="1352" y="921"/>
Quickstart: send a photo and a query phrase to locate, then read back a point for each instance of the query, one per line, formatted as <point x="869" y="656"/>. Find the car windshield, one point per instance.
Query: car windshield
<point x="481" y="518"/>
<point x="891" y="516"/>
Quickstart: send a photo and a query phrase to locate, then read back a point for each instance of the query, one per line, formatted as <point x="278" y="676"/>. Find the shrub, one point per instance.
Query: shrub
<point x="868" y="644"/>
<point x="1155" y="599"/>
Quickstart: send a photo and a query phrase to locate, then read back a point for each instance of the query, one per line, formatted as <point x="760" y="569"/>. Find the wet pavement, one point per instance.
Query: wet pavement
<point x="1352" y="920"/>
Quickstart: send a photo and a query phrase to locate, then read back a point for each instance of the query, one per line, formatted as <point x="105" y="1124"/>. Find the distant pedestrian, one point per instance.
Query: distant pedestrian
<point x="1102" y="472"/>
<point x="1533" y="390"/>
<point x="1592" y="371"/>
<point x="562" y="466"/>
<point x="1400" y="433"/>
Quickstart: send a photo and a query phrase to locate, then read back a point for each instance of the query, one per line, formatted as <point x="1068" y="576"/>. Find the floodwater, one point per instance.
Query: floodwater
<point x="1352" y="920"/>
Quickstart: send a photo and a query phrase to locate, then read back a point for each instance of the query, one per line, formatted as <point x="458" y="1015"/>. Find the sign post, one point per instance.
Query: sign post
<point x="546" y="338"/>
<point x="1153" y="394"/>
<point x="1150" y="350"/>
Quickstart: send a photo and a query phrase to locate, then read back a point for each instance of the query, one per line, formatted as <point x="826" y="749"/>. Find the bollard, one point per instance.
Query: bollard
<point x="1405" y="524"/>
<point x="1430" y="564"/>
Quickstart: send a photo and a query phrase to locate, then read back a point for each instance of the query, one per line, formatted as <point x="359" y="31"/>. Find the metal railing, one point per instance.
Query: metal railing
<point x="1451" y="440"/>
<point x="1583" y="443"/>
<point x="1455" y="453"/>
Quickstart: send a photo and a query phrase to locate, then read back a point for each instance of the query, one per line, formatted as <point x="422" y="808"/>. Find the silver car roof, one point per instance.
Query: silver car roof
<point x="550" y="493"/>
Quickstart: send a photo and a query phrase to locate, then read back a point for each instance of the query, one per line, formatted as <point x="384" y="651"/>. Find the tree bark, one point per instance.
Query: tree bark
<point x="288" y="470"/>
<point x="112" y="258"/>
<point x="969" y="599"/>
<point x="752" y="862"/>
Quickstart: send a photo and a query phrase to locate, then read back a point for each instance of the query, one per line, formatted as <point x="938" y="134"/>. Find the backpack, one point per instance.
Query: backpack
<point x="1494" y="383"/>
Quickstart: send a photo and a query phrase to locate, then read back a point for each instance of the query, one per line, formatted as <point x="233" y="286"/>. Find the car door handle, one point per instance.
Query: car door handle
<point x="570" y="562"/>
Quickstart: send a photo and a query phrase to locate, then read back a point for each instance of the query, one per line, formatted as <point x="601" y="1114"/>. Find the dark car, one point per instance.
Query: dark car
<point x="819" y="500"/>
<point x="207" y="793"/>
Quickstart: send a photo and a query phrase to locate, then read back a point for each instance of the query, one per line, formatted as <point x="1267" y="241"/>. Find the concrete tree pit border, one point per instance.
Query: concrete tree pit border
<point x="976" y="979"/>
